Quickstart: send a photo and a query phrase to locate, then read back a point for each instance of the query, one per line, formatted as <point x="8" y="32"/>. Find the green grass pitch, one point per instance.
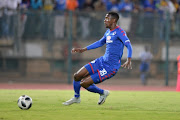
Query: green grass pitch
<point x="120" y="105"/>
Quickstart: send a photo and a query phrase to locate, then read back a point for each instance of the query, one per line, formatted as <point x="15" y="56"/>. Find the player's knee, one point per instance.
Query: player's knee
<point x="76" y="77"/>
<point x="83" y="84"/>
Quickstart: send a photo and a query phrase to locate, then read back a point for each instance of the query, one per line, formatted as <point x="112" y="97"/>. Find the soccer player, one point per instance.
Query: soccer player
<point x="146" y="58"/>
<point x="106" y="66"/>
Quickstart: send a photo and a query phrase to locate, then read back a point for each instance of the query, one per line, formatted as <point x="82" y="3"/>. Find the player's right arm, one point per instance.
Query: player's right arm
<point x="97" y="44"/>
<point x="94" y="45"/>
<point x="79" y="50"/>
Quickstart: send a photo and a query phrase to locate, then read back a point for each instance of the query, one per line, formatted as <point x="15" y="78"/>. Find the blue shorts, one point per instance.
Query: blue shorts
<point x="98" y="72"/>
<point x="144" y="67"/>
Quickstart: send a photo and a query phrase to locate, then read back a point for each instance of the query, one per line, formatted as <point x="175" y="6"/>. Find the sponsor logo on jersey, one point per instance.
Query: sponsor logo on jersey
<point x="108" y="39"/>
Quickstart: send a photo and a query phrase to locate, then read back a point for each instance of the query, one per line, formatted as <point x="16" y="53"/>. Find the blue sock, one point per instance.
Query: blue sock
<point x="93" y="88"/>
<point x="77" y="86"/>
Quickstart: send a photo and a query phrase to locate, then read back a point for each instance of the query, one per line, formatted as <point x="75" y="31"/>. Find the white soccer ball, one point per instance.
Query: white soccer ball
<point x="24" y="102"/>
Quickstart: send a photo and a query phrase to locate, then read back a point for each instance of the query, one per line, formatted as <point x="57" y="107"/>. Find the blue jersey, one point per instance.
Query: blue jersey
<point x="115" y="41"/>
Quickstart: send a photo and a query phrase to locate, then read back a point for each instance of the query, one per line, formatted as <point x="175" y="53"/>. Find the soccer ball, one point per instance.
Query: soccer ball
<point x="24" y="102"/>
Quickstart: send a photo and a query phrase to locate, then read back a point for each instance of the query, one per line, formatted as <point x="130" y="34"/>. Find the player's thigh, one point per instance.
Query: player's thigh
<point x="93" y="66"/>
<point x="87" y="81"/>
<point x="103" y="74"/>
<point x="80" y="74"/>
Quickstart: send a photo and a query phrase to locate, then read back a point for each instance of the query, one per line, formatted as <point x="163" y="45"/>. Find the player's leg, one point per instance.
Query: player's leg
<point x="142" y="76"/>
<point x="102" y="75"/>
<point x="78" y="76"/>
<point x="76" y="84"/>
<point x="88" y="84"/>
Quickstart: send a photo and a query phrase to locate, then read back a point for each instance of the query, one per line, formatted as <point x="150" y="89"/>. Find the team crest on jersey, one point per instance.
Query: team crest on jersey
<point x="108" y="39"/>
<point x="114" y="33"/>
<point x="93" y="61"/>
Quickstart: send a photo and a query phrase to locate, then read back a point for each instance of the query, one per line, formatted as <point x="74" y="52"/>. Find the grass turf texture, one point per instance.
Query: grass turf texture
<point x="120" y="105"/>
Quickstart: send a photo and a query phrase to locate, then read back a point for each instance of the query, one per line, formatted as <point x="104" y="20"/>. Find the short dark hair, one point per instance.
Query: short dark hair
<point x="114" y="15"/>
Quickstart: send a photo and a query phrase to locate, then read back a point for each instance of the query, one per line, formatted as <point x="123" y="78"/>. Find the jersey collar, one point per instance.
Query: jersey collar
<point x="114" y="28"/>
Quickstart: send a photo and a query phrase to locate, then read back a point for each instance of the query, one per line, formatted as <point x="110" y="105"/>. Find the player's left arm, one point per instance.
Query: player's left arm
<point x="128" y="63"/>
<point x="123" y="37"/>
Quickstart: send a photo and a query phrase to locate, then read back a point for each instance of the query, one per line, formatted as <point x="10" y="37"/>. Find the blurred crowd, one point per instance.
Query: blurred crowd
<point x="149" y="7"/>
<point x="94" y="5"/>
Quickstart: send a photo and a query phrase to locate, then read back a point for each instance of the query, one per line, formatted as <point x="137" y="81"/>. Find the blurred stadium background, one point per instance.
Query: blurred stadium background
<point x="35" y="44"/>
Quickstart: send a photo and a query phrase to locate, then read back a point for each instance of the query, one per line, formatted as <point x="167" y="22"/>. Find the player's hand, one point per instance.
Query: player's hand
<point x="79" y="50"/>
<point x="127" y="64"/>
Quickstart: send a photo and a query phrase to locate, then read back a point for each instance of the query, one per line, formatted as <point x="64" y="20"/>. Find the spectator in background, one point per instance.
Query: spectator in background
<point x="48" y="5"/>
<point x="165" y="6"/>
<point x="36" y="4"/>
<point x="85" y="18"/>
<point x="88" y="5"/>
<point x="2" y="6"/>
<point x="112" y="5"/>
<point x="146" y="20"/>
<point x="149" y="6"/>
<point x="37" y="18"/>
<point x="126" y="6"/>
<point x="179" y="6"/>
<point x="176" y="5"/>
<point x="25" y="4"/>
<point x="10" y="10"/>
<point x="59" y="22"/>
<point x="99" y="6"/>
<point x="137" y="6"/>
<point x="80" y="4"/>
<point x="60" y="5"/>
<point x="173" y="18"/>
<point x="72" y="5"/>
<point x="146" y="58"/>
<point x="176" y="20"/>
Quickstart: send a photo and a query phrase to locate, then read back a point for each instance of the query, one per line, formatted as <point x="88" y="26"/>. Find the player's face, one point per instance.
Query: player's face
<point x="108" y="21"/>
